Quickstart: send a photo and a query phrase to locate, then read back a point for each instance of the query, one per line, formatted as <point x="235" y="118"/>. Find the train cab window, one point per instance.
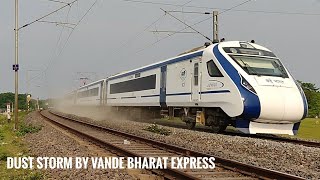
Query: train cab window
<point x="196" y="74"/>
<point x="213" y="69"/>
<point x="261" y="66"/>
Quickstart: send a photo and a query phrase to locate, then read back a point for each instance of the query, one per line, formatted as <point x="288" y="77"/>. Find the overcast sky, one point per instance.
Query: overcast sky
<point x="116" y="35"/>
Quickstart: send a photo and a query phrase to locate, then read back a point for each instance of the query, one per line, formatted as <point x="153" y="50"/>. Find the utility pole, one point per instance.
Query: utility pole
<point x="28" y="85"/>
<point x="16" y="65"/>
<point x="215" y="26"/>
<point x="38" y="104"/>
<point x="16" y="68"/>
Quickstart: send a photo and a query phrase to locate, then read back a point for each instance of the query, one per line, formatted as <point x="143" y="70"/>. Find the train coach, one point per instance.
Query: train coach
<point x="229" y="83"/>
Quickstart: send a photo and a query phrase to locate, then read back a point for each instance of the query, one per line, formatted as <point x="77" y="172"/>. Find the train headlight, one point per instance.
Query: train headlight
<point x="247" y="85"/>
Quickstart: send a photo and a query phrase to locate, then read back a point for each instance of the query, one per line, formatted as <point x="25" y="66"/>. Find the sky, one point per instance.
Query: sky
<point x="118" y="35"/>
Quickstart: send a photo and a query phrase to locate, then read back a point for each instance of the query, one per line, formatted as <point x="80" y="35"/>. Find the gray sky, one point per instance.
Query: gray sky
<point x="112" y="37"/>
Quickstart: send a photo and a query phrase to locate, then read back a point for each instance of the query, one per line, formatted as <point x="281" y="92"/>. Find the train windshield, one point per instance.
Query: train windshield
<point x="261" y="66"/>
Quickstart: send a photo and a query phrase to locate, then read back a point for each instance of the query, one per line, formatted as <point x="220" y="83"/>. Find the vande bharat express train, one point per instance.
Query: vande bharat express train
<point x="228" y="83"/>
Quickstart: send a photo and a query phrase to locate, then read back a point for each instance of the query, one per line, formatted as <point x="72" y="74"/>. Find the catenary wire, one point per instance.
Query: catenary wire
<point x="62" y="2"/>
<point x="56" y="46"/>
<point x="153" y="23"/>
<point x="169" y="35"/>
<point x="188" y="26"/>
<point x="217" y="8"/>
<point x="66" y="42"/>
<point x="39" y="19"/>
<point x="68" y="38"/>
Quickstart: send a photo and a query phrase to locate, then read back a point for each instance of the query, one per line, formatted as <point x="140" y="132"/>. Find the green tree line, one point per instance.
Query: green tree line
<point x="9" y="98"/>
<point x="22" y="101"/>
<point x="313" y="97"/>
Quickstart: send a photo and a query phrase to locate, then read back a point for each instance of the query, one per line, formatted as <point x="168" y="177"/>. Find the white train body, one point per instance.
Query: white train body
<point x="234" y="82"/>
<point x="91" y="94"/>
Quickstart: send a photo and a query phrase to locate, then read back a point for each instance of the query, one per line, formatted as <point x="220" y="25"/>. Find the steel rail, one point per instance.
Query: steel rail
<point x="278" y="139"/>
<point x="250" y="170"/>
<point x="167" y="173"/>
<point x="258" y="136"/>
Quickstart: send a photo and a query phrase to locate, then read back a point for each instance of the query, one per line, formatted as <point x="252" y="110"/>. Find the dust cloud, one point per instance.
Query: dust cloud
<point x="97" y="113"/>
<point x="108" y="113"/>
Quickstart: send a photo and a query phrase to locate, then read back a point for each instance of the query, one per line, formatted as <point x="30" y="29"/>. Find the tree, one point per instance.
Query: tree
<point x="313" y="97"/>
<point x="309" y="86"/>
<point x="9" y="98"/>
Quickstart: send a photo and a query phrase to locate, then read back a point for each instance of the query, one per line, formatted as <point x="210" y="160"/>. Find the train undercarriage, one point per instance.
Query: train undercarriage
<point x="213" y="117"/>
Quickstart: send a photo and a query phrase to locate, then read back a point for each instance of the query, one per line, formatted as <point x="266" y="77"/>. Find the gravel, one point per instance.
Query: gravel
<point x="294" y="159"/>
<point x="50" y="142"/>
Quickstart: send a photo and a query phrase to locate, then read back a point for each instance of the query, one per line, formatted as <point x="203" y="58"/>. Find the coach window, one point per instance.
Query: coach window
<point x="196" y="74"/>
<point x="94" y="92"/>
<point x="139" y="84"/>
<point x="213" y="69"/>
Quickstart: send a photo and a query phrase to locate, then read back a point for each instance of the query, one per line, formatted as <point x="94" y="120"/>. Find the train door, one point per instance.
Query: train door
<point x="195" y="81"/>
<point x="163" y="86"/>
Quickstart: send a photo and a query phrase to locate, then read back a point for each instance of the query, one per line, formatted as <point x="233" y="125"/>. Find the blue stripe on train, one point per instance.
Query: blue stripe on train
<point x="304" y="99"/>
<point x="251" y="102"/>
<point x="177" y="94"/>
<point x="214" y="92"/>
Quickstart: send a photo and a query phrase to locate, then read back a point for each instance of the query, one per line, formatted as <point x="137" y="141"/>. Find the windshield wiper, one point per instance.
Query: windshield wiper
<point x="276" y="65"/>
<point x="247" y="66"/>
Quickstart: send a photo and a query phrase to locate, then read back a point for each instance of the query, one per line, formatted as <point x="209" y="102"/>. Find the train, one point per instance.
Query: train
<point x="231" y="83"/>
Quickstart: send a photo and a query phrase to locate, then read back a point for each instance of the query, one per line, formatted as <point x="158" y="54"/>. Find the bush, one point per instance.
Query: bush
<point x="35" y="176"/>
<point x="28" y="128"/>
<point x="4" y="155"/>
<point x="159" y="130"/>
<point x="1" y="136"/>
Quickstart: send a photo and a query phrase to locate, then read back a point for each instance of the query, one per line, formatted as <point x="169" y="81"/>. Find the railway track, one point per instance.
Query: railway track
<point x="141" y="147"/>
<point x="258" y="136"/>
<point x="277" y="138"/>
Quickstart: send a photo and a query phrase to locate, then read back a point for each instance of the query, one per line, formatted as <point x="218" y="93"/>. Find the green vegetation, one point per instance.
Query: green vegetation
<point x="313" y="97"/>
<point x="9" y="98"/>
<point x="309" y="129"/>
<point x="27" y="128"/>
<point x="22" y="101"/>
<point x="158" y="130"/>
<point x="11" y="145"/>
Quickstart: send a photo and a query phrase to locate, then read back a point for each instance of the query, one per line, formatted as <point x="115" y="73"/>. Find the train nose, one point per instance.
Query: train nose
<point x="280" y="104"/>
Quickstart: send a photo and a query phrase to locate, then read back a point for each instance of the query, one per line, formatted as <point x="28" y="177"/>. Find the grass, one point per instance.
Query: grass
<point x="27" y="128"/>
<point x="309" y="129"/>
<point x="158" y="130"/>
<point x="11" y="145"/>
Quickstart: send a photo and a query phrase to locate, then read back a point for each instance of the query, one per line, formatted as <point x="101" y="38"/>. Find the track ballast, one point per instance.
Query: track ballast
<point x="142" y="147"/>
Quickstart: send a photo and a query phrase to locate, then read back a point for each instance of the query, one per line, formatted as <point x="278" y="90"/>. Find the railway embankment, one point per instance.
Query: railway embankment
<point x="51" y="141"/>
<point x="290" y="158"/>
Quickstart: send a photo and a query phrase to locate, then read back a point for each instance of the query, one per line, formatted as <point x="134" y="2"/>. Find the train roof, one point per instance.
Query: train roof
<point x="188" y="54"/>
<point x="240" y="43"/>
<point x="158" y="64"/>
<point x="91" y="84"/>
